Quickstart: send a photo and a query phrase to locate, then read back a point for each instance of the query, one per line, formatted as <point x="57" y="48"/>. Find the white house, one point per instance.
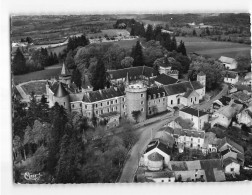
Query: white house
<point x="157" y="155"/>
<point x="229" y="63"/>
<point x="211" y="143"/>
<point x="231" y="166"/>
<point x="160" y="176"/>
<point x="198" y="117"/>
<point x="245" y="117"/>
<point x="231" y="77"/>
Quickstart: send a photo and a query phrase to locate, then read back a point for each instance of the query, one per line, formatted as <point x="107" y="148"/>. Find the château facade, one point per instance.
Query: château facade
<point x="133" y="89"/>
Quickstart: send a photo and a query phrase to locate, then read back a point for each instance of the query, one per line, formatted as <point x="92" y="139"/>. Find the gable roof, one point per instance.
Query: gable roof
<point x="227" y="60"/>
<point x="158" y="144"/>
<point x="155" y="157"/>
<point x="230" y="74"/>
<point x="211" y="166"/>
<point x="182" y="87"/>
<point x="226" y="140"/>
<point x="229" y="160"/>
<point x="94" y="96"/>
<point x="193" y="111"/>
<point x="165" y="79"/>
<point x="132" y="72"/>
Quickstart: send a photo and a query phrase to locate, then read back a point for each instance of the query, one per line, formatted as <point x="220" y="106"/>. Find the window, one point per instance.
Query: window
<point x="108" y="103"/>
<point x="195" y="98"/>
<point x="108" y="110"/>
<point x="159" y="95"/>
<point x="171" y="102"/>
<point x="163" y="94"/>
<point x="142" y="102"/>
<point x="149" y="97"/>
<point x="96" y="105"/>
<point x="142" y="109"/>
<point x="141" y="94"/>
<point x="178" y="100"/>
<point x="232" y="169"/>
<point x="72" y="105"/>
<point x="159" y="100"/>
<point x="85" y="106"/>
<point x="96" y="111"/>
<point x="101" y="104"/>
<point x="149" y="112"/>
<point x="111" y="102"/>
<point x="191" y="139"/>
<point x="116" y="101"/>
<point x="163" y="99"/>
<point x="123" y="99"/>
<point x="162" y="180"/>
<point x="80" y="104"/>
<point x="101" y="111"/>
<point x="64" y="103"/>
<point x="191" y="99"/>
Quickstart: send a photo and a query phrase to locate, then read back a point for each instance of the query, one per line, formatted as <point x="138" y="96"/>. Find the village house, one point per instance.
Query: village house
<point x="198" y="117"/>
<point x="180" y="123"/>
<point x="231" y="77"/>
<point x="211" y="143"/>
<point x="224" y="115"/>
<point x="229" y="63"/>
<point x="247" y="80"/>
<point x="245" y="117"/>
<point x="242" y="97"/>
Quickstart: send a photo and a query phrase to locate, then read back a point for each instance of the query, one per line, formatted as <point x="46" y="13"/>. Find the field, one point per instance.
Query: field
<point x="38" y="88"/>
<point x="213" y="48"/>
<point x="128" y="44"/>
<point x="38" y="75"/>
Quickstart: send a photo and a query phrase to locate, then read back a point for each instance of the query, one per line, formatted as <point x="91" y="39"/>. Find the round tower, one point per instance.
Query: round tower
<point x="201" y="77"/>
<point x="136" y="96"/>
<point x="62" y="96"/>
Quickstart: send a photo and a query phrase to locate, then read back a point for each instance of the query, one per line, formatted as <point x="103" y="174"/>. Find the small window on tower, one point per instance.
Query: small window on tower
<point x="141" y="95"/>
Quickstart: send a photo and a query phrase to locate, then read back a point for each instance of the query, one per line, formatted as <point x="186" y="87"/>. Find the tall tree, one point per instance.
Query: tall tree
<point x="19" y="63"/>
<point x="76" y="77"/>
<point x="70" y="60"/>
<point x="137" y="55"/>
<point x="181" y="48"/>
<point x="149" y="33"/>
<point x="173" y="43"/>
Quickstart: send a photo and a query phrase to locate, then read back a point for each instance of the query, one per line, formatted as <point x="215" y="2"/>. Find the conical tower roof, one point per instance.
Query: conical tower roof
<point x="61" y="91"/>
<point x="64" y="71"/>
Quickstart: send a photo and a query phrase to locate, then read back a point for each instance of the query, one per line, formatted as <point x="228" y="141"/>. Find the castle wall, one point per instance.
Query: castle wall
<point x="63" y="101"/>
<point x="156" y="105"/>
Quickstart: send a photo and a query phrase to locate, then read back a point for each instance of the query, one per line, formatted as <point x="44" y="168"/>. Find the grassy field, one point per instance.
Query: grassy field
<point x="128" y="44"/>
<point x="213" y="48"/>
<point x="38" y="75"/>
<point x="38" y="88"/>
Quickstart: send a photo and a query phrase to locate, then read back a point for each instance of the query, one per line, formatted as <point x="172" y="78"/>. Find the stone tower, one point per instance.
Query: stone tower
<point x="62" y="96"/>
<point x="136" y="98"/>
<point x="65" y="75"/>
<point x="201" y="77"/>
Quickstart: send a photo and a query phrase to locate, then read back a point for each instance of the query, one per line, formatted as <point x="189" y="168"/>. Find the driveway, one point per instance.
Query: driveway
<point x="131" y="164"/>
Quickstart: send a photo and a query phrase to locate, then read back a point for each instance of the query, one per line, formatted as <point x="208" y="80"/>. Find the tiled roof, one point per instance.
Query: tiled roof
<point x="133" y="72"/>
<point x="193" y="111"/>
<point x="156" y="90"/>
<point x="232" y="143"/>
<point x="191" y="133"/>
<point x="182" y="87"/>
<point x="165" y="79"/>
<point x="227" y="60"/>
<point x="241" y="96"/>
<point x="94" y="96"/>
<point x="76" y="97"/>
<point x="230" y="74"/>
<point x="228" y="161"/>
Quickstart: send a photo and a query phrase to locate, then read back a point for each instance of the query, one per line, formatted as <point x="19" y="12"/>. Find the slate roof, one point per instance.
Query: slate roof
<point x="59" y="90"/>
<point x="182" y="87"/>
<point x="76" y="97"/>
<point x="132" y="72"/>
<point x="156" y="90"/>
<point x="227" y="60"/>
<point x="232" y="143"/>
<point x="165" y="79"/>
<point x="193" y="111"/>
<point x="94" y="96"/>
<point x="160" y="145"/>
<point x="188" y="92"/>
<point x="64" y="71"/>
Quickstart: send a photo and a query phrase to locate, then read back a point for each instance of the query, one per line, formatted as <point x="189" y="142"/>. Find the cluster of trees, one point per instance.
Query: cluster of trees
<point x="27" y="39"/>
<point x="39" y="59"/>
<point x="243" y="62"/>
<point x="60" y="144"/>
<point x="74" y="42"/>
<point x="211" y="67"/>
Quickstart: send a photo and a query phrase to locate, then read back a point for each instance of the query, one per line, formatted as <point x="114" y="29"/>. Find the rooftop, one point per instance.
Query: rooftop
<point x="227" y="60"/>
<point x="231" y="143"/>
<point x="230" y="74"/>
<point x="155" y="91"/>
<point x="193" y="111"/>
<point x="184" y="123"/>
<point x="165" y="79"/>
<point x="160" y="145"/>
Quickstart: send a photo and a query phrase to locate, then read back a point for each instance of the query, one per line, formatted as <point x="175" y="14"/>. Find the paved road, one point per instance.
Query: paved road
<point x="131" y="165"/>
<point x="208" y="104"/>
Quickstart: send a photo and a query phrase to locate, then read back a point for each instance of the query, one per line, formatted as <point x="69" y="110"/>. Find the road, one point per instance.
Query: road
<point x="131" y="164"/>
<point x="208" y="104"/>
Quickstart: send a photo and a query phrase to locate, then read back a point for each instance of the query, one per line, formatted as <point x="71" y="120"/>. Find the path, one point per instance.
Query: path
<point x="208" y="104"/>
<point x="131" y="165"/>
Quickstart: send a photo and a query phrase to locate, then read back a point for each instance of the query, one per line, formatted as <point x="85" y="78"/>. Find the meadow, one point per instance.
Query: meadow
<point x="213" y="49"/>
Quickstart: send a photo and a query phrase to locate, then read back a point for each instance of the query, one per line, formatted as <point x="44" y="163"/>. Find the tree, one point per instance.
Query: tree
<point x="76" y="78"/>
<point x="19" y="63"/>
<point x="173" y="43"/>
<point x="243" y="62"/>
<point x="194" y="32"/>
<point x="137" y="55"/>
<point x="149" y="33"/>
<point x="70" y="60"/>
<point x="181" y="48"/>
<point x="207" y="31"/>
<point x="29" y="40"/>
<point x="136" y="114"/>
<point x="127" y="62"/>
<point x="248" y="157"/>
<point x="132" y="32"/>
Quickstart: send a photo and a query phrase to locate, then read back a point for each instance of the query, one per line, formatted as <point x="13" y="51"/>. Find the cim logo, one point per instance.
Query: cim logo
<point x="31" y="177"/>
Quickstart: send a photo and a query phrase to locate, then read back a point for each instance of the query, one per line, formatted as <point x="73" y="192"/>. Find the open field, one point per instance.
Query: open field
<point x="128" y="44"/>
<point x="38" y="75"/>
<point x="38" y="88"/>
<point x="213" y="48"/>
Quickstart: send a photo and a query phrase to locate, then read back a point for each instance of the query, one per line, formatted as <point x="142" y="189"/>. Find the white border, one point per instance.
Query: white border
<point x="93" y="7"/>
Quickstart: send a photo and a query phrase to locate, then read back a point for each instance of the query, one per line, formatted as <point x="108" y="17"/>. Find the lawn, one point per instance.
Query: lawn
<point x="38" y="75"/>
<point x="39" y="88"/>
<point x="213" y="48"/>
